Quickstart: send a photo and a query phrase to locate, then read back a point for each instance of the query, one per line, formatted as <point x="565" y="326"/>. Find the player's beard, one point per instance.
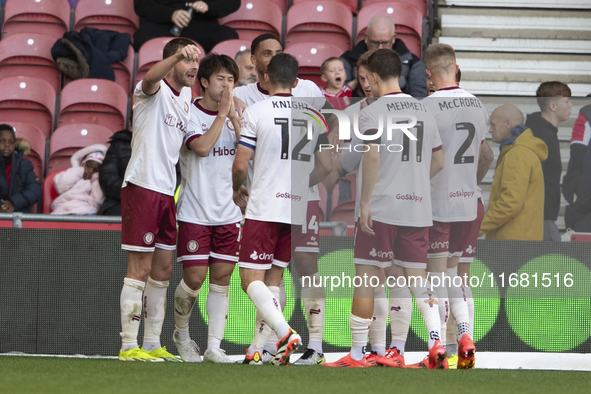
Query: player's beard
<point x="183" y="79"/>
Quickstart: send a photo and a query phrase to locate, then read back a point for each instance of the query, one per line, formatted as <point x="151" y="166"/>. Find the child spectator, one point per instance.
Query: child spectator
<point x="78" y="187"/>
<point x="337" y="93"/>
<point x="19" y="186"/>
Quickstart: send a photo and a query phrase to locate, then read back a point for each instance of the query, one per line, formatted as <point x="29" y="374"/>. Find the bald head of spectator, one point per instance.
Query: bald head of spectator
<point x="502" y="120"/>
<point x="380" y="33"/>
<point x="248" y="72"/>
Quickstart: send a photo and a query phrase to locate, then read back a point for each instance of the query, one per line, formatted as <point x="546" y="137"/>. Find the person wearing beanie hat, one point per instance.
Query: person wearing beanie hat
<point x="78" y="187"/>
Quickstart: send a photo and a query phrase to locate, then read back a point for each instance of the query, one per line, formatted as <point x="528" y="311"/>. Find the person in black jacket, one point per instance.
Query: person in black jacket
<point x="112" y="172"/>
<point x="380" y="34"/>
<point x="158" y="17"/>
<point x="19" y="187"/>
<point x="554" y="101"/>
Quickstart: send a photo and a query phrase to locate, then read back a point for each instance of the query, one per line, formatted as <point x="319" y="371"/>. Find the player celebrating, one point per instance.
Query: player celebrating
<point x="209" y="221"/>
<point x="461" y="119"/>
<point x="395" y="206"/>
<point x="263" y="49"/>
<point x="148" y="214"/>
<point x="277" y="199"/>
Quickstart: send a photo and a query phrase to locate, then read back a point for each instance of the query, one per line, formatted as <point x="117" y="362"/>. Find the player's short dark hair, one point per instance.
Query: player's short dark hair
<point x="362" y="61"/>
<point x="386" y="63"/>
<point x="283" y="70"/>
<point x="174" y="45"/>
<point x="7" y="127"/>
<point x="214" y="63"/>
<point x="325" y="63"/>
<point x="263" y="37"/>
<point x="548" y="91"/>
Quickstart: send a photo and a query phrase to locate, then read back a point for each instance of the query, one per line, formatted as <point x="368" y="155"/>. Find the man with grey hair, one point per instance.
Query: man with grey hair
<point x="381" y="33"/>
<point x="248" y="72"/>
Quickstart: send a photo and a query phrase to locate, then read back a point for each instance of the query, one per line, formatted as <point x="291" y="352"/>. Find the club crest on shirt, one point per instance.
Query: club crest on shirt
<point x="230" y="125"/>
<point x="186" y="107"/>
<point x="192" y="246"/>
<point x="170" y="120"/>
<point x="148" y="238"/>
<point x="204" y="127"/>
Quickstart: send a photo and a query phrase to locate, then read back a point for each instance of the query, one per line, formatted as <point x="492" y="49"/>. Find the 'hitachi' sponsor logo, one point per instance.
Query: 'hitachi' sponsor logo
<point x="288" y="195"/>
<point x="461" y="193"/>
<point x="224" y="152"/>
<point x="263" y="256"/>
<point x="411" y="197"/>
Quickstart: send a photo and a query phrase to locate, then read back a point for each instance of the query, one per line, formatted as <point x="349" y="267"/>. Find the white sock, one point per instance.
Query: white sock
<point x="314" y="299"/>
<point x="459" y="304"/>
<point x="131" y="312"/>
<point x="154" y="312"/>
<point x="261" y="333"/>
<point x="451" y="343"/>
<point x="279" y="293"/>
<point x="377" y="330"/>
<point x="470" y="300"/>
<point x="400" y="314"/>
<point x="218" y="303"/>
<point x="443" y="303"/>
<point x="426" y="301"/>
<point x="184" y="299"/>
<point x="266" y="302"/>
<point x="359" y="331"/>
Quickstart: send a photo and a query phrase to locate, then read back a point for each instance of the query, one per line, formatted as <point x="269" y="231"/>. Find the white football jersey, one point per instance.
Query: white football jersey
<point x="160" y="122"/>
<point x="402" y="193"/>
<point x="253" y="93"/>
<point x="206" y="186"/>
<point x="461" y="119"/>
<point x="278" y="132"/>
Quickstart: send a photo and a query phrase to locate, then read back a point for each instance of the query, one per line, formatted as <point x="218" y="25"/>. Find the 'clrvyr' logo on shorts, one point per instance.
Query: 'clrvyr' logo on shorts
<point x="470" y="249"/>
<point x="192" y="246"/>
<point x="381" y="253"/>
<point x="148" y="238"/>
<point x="263" y="256"/>
<point x="170" y="120"/>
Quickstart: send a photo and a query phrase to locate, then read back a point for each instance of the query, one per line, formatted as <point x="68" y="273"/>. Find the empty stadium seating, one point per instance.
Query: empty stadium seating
<point x="407" y="18"/>
<point x="36" y="139"/>
<point x="30" y="99"/>
<point x="421" y="5"/>
<point x="231" y="47"/>
<point x="255" y="17"/>
<point x="29" y="55"/>
<point x="47" y="17"/>
<point x="95" y="101"/>
<point x="49" y="192"/>
<point x="310" y="57"/>
<point x="69" y="139"/>
<point x="351" y="4"/>
<point x="117" y="15"/>
<point x="323" y="22"/>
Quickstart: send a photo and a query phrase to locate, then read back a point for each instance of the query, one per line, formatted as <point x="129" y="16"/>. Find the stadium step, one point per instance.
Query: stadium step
<point x="572" y="4"/>
<point x="474" y="44"/>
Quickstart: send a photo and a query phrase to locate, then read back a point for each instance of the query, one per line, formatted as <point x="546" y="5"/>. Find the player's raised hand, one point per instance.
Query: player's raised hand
<point x="189" y="52"/>
<point x="365" y="221"/>
<point x="226" y="103"/>
<point x="239" y="197"/>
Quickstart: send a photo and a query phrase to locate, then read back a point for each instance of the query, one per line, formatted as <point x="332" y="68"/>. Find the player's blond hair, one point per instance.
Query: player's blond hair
<point x="440" y="59"/>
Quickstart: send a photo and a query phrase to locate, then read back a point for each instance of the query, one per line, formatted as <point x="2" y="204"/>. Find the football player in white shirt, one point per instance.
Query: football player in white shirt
<point x="277" y="200"/>
<point x="263" y="49"/>
<point x="209" y="221"/>
<point x="461" y="119"/>
<point x="395" y="205"/>
<point x="148" y="213"/>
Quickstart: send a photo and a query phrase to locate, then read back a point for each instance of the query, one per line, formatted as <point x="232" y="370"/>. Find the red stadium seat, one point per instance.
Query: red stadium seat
<point x="255" y="17"/>
<point x="49" y="192"/>
<point x="67" y="140"/>
<point x="351" y="4"/>
<point x="323" y="22"/>
<point x="48" y="17"/>
<point x="95" y="101"/>
<point x="421" y="5"/>
<point x="231" y="47"/>
<point x="282" y="4"/>
<point x="323" y="197"/>
<point x="344" y="212"/>
<point x="117" y="15"/>
<point x="151" y="53"/>
<point x="30" y="99"/>
<point x="352" y="179"/>
<point x="310" y="57"/>
<point x="35" y="137"/>
<point x="407" y="18"/>
<point x="29" y="55"/>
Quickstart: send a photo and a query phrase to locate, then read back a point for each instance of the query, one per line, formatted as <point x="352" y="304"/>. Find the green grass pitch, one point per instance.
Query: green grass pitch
<point x="64" y="376"/>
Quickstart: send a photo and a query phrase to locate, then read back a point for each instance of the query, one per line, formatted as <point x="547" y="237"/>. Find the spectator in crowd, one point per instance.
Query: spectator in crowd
<point x="554" y="101"/>
<point x="381" y="33"/>
<point x="248" y="72"/>
<point x="78" y="187"/>
<point x="577" y="181"/>
<point x="337" y="93"/>
<point x="517" y="192"/>
<point x="19" y="186"/>
<point x="112" y="172"/>
<point x="158" y="17"/>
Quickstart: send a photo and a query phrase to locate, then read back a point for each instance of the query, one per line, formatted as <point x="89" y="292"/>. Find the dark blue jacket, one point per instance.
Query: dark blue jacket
<point x="25" y="189"/>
